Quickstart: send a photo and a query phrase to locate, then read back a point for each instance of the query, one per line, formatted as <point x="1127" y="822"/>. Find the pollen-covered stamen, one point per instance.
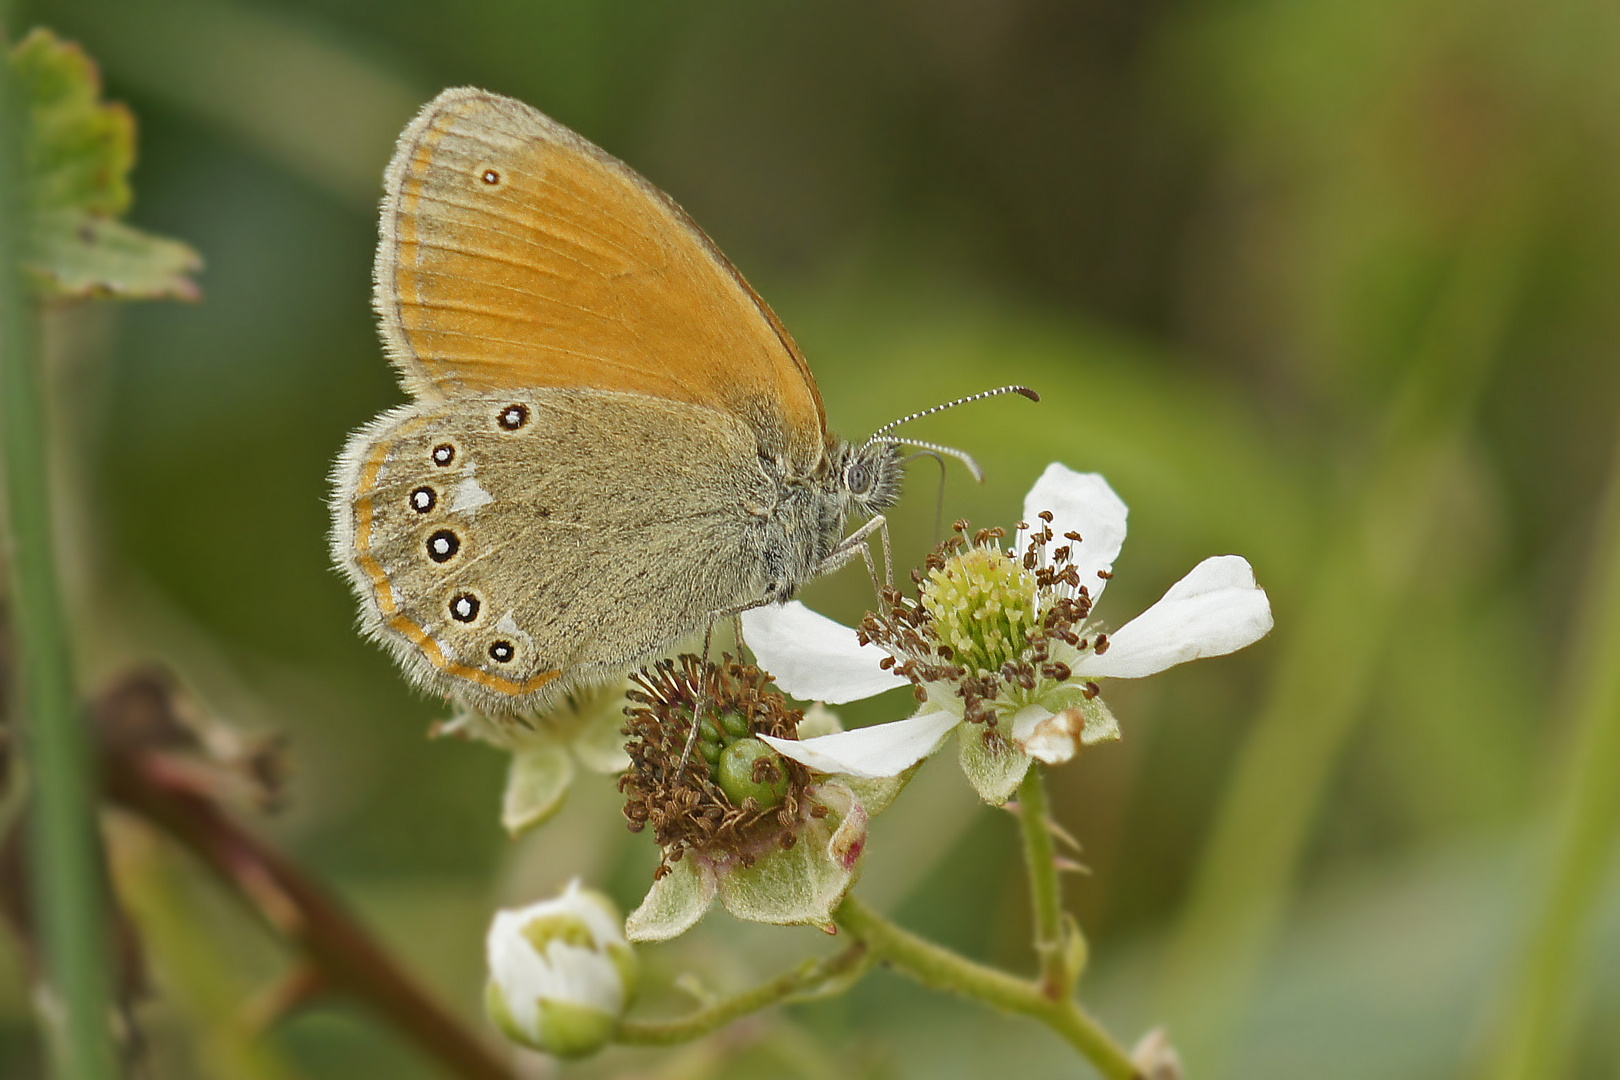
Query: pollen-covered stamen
<point x="982" y="606"/>
<point x="986" y="621"/>
<point x="736" y="798"/>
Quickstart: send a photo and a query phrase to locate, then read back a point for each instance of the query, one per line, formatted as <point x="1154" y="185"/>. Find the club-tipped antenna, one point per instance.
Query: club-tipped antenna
<point x="997" y="392"/>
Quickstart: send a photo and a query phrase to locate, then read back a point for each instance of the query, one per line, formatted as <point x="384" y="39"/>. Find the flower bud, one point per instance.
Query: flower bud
<point x="560" y="973"/>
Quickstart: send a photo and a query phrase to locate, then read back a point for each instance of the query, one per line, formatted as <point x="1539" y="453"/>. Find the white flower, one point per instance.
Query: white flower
<point x="560" y="972"/>
<point x="1004" y="639"/>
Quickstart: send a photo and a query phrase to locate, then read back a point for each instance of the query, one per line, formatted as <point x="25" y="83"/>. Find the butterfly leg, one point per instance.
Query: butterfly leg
<point x="735" y="614"/>
<point x="699" y="705"/>
<point x="854" y="544"/>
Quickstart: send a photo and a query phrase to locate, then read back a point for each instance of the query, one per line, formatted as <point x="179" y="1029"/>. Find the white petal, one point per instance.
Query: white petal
<point x="1081" y="503"/>
<point x="813" y="658"/>
<point x="869" y="752"/>
<point x="1214" y="610"/>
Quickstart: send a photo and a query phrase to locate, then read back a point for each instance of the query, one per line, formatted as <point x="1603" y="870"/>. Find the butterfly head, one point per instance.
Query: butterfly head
<point x="869" y="476"/>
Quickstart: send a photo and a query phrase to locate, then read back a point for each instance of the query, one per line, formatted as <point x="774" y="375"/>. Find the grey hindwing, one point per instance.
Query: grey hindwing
<point x="563" y="530"/>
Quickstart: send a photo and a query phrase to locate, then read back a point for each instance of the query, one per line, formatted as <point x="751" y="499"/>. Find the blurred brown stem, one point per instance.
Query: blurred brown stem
<point x="179" y="800"/>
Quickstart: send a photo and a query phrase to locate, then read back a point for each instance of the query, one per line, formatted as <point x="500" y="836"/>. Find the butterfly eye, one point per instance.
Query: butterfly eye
<point x="858" y="478"/>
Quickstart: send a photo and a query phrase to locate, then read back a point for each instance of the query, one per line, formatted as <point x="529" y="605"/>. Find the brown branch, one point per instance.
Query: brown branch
<point x="172" y="793"/>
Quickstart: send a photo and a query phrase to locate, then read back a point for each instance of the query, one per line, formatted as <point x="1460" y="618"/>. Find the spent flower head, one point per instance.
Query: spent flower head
<point x="775" y="841"/>
<point x="1001" y="644"/>
<point x="560" y="972"/>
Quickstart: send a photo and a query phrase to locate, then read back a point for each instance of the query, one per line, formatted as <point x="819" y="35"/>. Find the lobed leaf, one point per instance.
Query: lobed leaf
<point x="79" y="154"/>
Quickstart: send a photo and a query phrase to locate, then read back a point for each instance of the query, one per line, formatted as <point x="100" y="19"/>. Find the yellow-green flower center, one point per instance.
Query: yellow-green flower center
<point x="982" y="603"/>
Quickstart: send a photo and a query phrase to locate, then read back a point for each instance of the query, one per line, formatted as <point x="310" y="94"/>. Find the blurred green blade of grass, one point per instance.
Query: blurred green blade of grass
<point x="317" y="107"/>
<point x="1533" y="1038"/>
<point x="1332" y="656"/>
<point x="64" y="875"/>
<point x="202" y="966"/>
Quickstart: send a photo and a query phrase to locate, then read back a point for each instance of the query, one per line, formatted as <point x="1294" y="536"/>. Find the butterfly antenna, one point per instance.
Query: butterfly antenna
<point x="934" y="448"/>
<point x="997" y="392"/>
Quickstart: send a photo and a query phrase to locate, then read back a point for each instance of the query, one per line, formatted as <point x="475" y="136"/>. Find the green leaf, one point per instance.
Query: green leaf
<point x="79" y="154"/>
<point x="76" y="255"/>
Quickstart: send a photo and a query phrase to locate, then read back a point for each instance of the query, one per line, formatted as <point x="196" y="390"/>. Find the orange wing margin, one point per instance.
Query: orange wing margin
<point x="515" y="253"/>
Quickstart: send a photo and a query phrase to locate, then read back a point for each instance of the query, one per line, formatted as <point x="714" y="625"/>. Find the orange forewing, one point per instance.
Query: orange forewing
<point x="516" y="254"/>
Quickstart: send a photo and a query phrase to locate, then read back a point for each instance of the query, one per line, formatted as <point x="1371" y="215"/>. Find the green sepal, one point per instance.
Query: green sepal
<point x="674" y="904"/>
<point x="568" y="1030"/>
<point x="802" y="885"/>
<point x="536" y="782"/>
<point x="995" y="771"/>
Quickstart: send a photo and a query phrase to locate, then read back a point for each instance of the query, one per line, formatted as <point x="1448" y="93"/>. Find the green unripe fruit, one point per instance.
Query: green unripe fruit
<point x="736" y="725"/>
<point x="749" y="769"/>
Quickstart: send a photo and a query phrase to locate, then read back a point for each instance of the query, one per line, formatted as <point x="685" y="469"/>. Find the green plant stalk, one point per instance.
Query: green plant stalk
<point x="1046" y="894"/>
<point x="1334" y="646"/>
<point x="1533" y="1040"/>
<point x="942" y="969"/>
<point x="65" y="863"/>
<point x="806" y="981"/>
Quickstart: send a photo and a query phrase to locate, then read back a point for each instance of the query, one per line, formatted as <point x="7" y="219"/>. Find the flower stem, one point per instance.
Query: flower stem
<point x="1040" y="856"/>
<point x="942" y="969"/>
<point x="65" y="871"/>
<point x="851" y="963"/>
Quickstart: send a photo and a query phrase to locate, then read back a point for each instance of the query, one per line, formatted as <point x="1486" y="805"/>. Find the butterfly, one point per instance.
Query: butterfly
<point x="611" y="441"/>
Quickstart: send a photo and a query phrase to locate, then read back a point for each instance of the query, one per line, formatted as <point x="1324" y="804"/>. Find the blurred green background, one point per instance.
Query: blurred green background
<point x="1332" y="285"/>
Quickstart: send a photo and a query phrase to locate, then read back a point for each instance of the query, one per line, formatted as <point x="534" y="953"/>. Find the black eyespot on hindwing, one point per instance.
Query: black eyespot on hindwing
<point x="501" y="652"/>
<point x="444" y="454"/>
<point x="424" y="499"/>
<point x="443" y="545"/>
<point x="491" y="177"/>
<point x="464" y="607"/>
<point x="513" y="417"/>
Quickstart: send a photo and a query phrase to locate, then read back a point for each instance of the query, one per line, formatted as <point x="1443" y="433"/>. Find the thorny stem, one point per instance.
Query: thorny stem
<point x="1040" y="856"/>
<point x="807" y="980"/>
<point x="67" y="871"/>
<point x="942" y="969"/>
